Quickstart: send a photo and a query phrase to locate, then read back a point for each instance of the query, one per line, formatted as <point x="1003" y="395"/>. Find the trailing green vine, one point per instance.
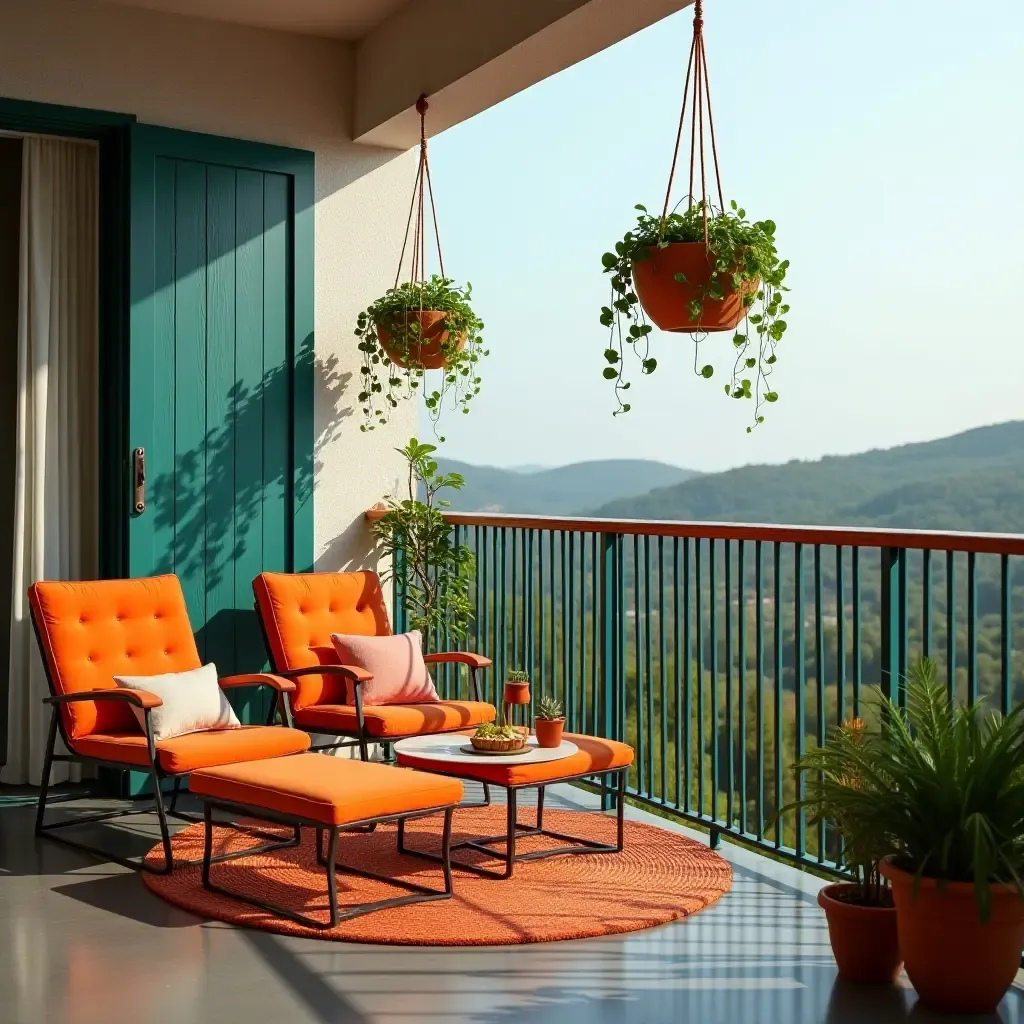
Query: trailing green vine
<point x="385" y="383"/>
<point x="742" y="252"/>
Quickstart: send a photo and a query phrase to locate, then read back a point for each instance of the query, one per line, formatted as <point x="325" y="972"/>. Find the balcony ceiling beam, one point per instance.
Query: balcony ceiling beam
<point x="468" y="55"/>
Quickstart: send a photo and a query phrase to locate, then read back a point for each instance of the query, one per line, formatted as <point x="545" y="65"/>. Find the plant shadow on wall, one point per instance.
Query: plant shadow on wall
<point x="225" y="509"/>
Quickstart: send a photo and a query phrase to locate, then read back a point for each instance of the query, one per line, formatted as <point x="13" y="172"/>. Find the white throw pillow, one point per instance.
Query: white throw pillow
<point x="192" y="702"/>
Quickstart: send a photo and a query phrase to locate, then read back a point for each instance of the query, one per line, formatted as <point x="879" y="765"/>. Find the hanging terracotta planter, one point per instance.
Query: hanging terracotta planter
<point x="426" y="346"/>
<point x="424" y="322"/>
<point x="698" y="267"/>
<point x="864" y="940"/>
<point x="956" y="962"/>
<point x="684" y="305"/>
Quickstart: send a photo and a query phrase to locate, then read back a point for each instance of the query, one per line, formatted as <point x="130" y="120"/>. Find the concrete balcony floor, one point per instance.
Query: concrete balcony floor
<point x="84" y="942"/>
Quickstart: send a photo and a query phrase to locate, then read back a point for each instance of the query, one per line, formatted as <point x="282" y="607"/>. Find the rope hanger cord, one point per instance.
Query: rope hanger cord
<point x="696" y="89"/>
<point x="422" y="194"/>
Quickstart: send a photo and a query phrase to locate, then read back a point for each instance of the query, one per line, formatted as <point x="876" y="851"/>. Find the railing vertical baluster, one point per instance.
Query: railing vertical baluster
<point x="741" y="753"/>
<point x="663" y="709"/>
<point x="620" y="619"/>
<point x="777" y="642"/>
<point x="890" y="601"/>
<point x="972" y="629"/>
<point x="582" y="719"/>
<point x="858" y="661"/>
<point x="699" y="594"/>
<point x="552" y="577"/>
<point x="503" y="639"/>
<point x="819" y="671"/>
<point x="840" y="634"/>
<point x="610" y="591"/>
<point x="542" y="593"/>
<point x="640" y="745"/>
<point x="926" y="603"/>
<point x="730" y="781"/>
<point x="530" y="575"/>
<point x="759" y="680"/>
<point x="799" y="684"/>
<point x="677" y="661"/>
<point x="569" y="640"/>
<point x="1006" y="693"/>
<point x="688" y="672"/>
<point x="902" y="630"/>
<point x="596" y="562"/>
<point x="951" y="686"/>
<point x="515" y="599"/>
<point x="648" y="634"/>
<point x="713" y="642"/>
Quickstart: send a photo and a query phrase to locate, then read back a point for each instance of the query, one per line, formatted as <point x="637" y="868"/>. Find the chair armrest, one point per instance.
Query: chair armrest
<point x="140" y="698"/>
<point x="257" y="679"/>
<point x="352" y="672"/>
<point x="459" y="657"/>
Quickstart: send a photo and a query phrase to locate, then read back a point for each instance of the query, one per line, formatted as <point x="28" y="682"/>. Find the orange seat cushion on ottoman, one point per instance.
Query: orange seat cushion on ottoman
<point x="595" y="755"/>
<point x="328" y="790"/>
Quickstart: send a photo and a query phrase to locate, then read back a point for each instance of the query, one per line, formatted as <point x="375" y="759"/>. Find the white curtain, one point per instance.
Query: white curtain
<point x="55" y="494"/>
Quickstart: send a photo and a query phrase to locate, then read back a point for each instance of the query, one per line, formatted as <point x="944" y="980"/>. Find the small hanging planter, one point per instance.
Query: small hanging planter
<point x="420" y="324"/>
<point x="699" y="270"/>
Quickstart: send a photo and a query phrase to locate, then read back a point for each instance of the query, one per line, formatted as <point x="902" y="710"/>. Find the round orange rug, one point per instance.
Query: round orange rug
<point x="658" y="878"/>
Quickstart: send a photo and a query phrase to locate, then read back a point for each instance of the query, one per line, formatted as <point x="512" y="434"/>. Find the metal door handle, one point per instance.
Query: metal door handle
<point x="139" y="464"/>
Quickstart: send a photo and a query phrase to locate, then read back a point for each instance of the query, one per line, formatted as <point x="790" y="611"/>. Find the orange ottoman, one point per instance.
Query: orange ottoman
<point x="332" y="795"/>
<point x="593" y="756"/>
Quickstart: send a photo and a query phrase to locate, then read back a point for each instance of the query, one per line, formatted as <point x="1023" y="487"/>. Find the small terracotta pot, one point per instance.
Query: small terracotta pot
<point x="955" y="962"/>
<point x="863" y="939"/>
<point x="549" y="731"/>
<point x="433" y="335"/>
<point x="666" y="301"/>
<point x="517" y="693"/>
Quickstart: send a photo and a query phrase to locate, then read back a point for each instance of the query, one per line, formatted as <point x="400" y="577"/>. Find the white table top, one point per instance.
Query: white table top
<point x="447" y="748"/>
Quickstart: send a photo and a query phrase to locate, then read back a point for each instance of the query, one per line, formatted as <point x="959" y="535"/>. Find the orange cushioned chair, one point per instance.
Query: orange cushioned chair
<point x="89" y="633"/>
<point x="300" y="611"/>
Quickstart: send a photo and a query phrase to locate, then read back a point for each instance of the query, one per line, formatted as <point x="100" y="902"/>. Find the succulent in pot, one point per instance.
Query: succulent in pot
<point x="498" y="739"/>
<point x="548" y="722"/>
<point x="517" y="695"/>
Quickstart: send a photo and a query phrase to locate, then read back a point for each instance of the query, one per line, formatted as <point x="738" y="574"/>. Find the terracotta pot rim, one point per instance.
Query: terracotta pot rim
<point x="537" y="718"/>
<point x="889" y="869"/>
<point x="825" y="896"/>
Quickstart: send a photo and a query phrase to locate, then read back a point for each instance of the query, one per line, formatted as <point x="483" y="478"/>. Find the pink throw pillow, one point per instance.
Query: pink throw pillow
<point x="396" y="663"/>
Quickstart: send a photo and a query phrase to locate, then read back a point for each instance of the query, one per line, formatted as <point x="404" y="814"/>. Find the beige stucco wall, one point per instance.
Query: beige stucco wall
<point x="268" y="87"/>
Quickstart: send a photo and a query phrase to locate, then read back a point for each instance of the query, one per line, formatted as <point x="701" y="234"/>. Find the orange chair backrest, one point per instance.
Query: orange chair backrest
<point x="92" y="631"/>
<point x="300" y="611"/>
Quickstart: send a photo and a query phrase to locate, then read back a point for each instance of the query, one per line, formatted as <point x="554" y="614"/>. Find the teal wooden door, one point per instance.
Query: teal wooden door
<point x="220" y="376"/>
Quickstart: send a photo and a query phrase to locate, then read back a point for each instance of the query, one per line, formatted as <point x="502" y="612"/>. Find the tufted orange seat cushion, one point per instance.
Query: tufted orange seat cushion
<point x="387" y="720"/>
<point x="594" y="755"/>
<point x="329" y="790"/>
<point x="92" y="631"/>
<point x="184" y="754"/>
<point x="300" y="611"/>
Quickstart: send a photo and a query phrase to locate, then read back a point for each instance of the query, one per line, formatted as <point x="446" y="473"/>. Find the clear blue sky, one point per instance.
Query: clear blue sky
<point x="884" y="137"/>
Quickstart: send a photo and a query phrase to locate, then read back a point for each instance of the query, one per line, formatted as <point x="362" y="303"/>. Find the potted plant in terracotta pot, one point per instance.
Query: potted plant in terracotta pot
<point x="861" y="914"/>
<point x="517" y="695"/>
<point x="953" y="782"/>
<point x="548" y="722"/>
<point x="415" y="327"/>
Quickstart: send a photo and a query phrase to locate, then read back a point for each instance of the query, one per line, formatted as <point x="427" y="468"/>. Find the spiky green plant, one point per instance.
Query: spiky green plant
<point x="940" y="786"/>
<point x="549" y="709"/>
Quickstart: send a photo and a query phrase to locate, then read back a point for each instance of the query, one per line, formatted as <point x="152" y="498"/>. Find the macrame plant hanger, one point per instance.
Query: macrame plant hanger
<point x="700" y="103"/>
<point x="422" y="193"/>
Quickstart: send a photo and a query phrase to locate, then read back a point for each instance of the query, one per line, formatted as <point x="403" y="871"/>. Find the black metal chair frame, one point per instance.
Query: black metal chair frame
<point x="152" y="766"/>
<point x="517" y="830"/>
<point x="416" y="893"/>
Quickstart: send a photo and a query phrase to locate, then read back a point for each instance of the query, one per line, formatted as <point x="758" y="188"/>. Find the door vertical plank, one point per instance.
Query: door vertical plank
<point x="249" y="650"/>
<point x="276" y="376"/>
<point x="220" y="427"/>
<point x="160" y="450"/>
<point x="190" y="391"/>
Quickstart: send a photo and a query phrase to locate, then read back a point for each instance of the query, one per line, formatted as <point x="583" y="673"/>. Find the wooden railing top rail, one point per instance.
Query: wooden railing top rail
<point x="849" y="536"/>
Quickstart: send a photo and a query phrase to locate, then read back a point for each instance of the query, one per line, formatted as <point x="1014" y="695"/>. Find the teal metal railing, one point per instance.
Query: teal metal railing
<point x="721" y="652"/>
